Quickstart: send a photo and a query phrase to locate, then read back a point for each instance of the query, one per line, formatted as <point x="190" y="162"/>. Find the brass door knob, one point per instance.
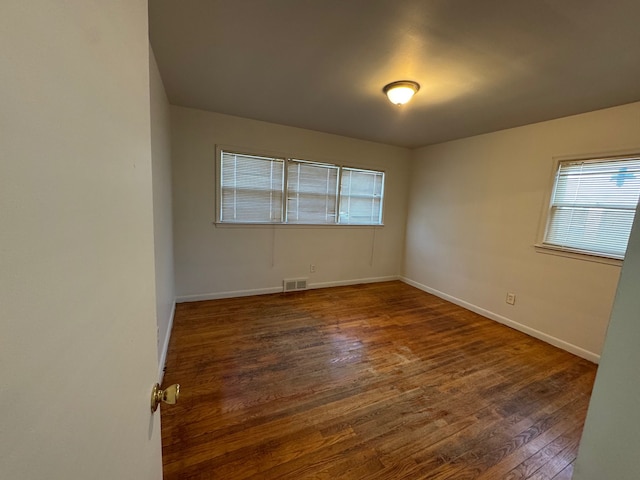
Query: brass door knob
<point x="169" y="395"/>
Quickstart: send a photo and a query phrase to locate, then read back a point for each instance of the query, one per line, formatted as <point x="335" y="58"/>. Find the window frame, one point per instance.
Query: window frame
<point x="287" y="157"/>
<point x="545" y="216"/>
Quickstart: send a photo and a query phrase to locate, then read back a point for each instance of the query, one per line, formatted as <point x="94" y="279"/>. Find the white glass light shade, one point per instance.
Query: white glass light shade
<point x="401" y="92"/>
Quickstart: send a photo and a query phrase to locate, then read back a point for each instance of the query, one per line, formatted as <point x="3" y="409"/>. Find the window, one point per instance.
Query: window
<point x="312" y="192"/>
<point x="267" y="189"/>
<point x="361" y="197"/>
<point x="251" y="188"/>
<point x="592" y="206"/>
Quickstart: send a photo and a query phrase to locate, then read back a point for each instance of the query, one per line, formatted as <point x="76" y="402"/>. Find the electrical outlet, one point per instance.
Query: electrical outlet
<point x="312" y="268"/>
<point x="511" y="298"/>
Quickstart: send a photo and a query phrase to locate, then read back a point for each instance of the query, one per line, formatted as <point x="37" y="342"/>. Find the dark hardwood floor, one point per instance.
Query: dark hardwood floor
<point x="379" y="381"/>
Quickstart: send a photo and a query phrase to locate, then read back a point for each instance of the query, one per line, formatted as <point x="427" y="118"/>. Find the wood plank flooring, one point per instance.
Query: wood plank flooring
<point x="379" y="381"/>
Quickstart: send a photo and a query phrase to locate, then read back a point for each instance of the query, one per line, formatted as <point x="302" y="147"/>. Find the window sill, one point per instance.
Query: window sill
<point x="577" y="254"/>
<point x="291" y="225"/>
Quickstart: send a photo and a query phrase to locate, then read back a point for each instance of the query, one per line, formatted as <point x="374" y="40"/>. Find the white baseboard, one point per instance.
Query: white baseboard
<point x="581" y="352"/>
<point x="231" y="294"/>
<point x="266" y="291"/>
<point x="165" y="346"/>
<point x="344" y="283"/>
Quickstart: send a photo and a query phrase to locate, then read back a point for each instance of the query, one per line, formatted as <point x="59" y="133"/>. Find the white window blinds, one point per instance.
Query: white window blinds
<point x="312" y="192"/>
<point x="593" y="206"/>
<point x="254" y="188"/>
<point x="361" y="194"/>
<point x="251" y="188"/>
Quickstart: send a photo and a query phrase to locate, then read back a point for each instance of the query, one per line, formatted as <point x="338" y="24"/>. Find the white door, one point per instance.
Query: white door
<point x="77" y="315"/>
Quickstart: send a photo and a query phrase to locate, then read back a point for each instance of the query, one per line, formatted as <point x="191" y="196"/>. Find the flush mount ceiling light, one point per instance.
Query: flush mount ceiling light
<point x="401" y="92"/>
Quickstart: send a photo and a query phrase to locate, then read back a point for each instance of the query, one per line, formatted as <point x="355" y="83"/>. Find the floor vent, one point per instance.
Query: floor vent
<point x="294" y="284"/>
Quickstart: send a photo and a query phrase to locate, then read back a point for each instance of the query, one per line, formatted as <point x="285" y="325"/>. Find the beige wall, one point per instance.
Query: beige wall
<point x="77" y="310"/>
<point x="162" y="208"/>
<point x="232" y="260"/>
<point x="473" y="216"/>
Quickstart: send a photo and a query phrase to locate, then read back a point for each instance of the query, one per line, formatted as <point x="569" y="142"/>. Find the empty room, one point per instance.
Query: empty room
<point x="283" y="239"/>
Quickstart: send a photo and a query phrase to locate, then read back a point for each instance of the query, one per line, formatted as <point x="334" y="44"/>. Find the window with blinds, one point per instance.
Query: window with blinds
<point x="312" y="192"/>
<point x="361" y="197"/>
<point x="266" y="189"/>
<point x="251" y="188"/>
<point x="593" y="205"/>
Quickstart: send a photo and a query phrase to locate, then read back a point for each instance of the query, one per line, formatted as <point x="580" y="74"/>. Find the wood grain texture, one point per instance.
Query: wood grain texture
<point x="378" y="381"/>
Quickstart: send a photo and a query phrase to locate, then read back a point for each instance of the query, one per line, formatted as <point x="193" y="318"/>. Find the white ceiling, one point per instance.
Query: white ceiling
<point x="483" y="65"/>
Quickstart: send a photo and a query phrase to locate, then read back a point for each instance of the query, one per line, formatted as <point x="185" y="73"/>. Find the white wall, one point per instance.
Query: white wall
<point x="610" y="442"/>
<point x="77" y="308"/>
<point x="219" y="261"/>
<point x="162" y="208"/>
<point x="474" y="211"/>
